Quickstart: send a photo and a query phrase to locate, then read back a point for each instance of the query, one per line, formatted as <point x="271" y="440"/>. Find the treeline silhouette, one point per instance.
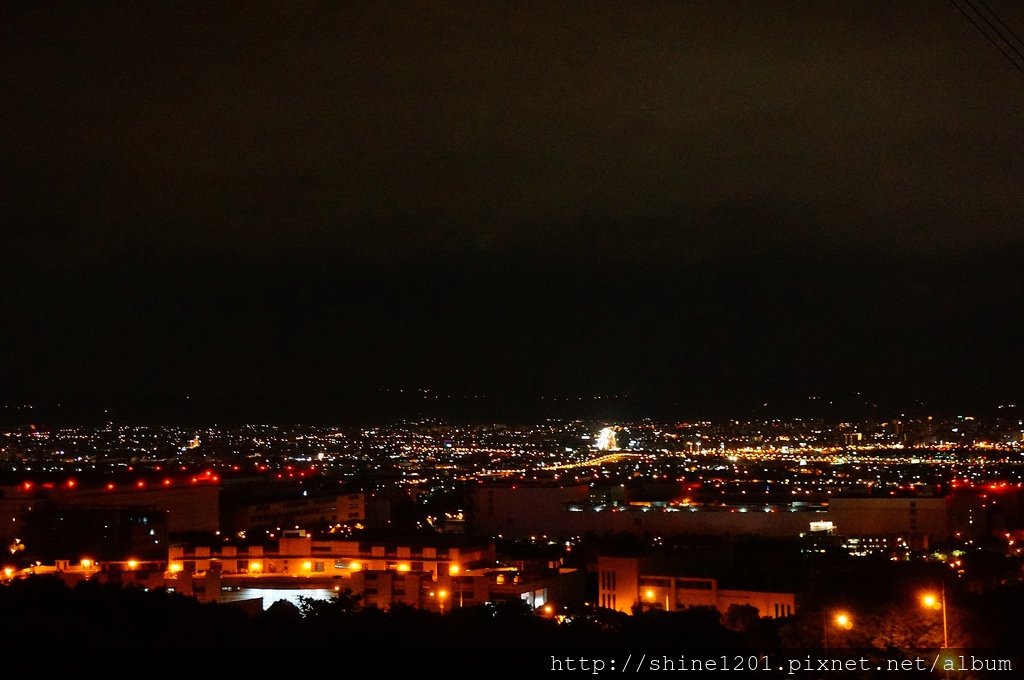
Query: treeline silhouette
<point x="116" y="623"/>
<point x="94" y="615"/>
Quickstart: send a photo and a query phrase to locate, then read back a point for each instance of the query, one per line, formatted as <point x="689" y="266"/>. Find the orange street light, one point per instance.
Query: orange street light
<point x="651" y="595"/>
<point x="931" y="601"/>
<point x="840" y="619"/>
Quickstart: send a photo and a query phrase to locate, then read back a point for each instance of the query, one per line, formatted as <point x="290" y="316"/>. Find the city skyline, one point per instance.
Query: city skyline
<point x="537" y="336"/>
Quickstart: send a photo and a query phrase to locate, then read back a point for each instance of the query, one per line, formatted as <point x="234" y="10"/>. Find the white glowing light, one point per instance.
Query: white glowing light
<point x="606" y="440"/>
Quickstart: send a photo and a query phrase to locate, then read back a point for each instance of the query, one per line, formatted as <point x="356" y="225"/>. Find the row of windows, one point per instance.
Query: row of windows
<point x="608" y="601"/>
<point x="608" y="580"/>
<point x="694" y="585"/>
<point x="392" y="550"/>
<point x="681" y="584"/>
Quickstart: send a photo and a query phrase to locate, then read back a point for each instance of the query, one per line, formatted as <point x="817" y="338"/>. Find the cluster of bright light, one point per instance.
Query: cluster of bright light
<point x="606" y="439"/>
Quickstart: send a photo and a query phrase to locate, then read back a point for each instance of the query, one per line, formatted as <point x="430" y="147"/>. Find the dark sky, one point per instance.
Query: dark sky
<point x="277" y="209"/>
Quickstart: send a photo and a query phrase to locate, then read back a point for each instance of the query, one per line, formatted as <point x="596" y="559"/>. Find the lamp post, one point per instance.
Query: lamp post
<point x="840" y="619"/>
<point x="929" y="601"/>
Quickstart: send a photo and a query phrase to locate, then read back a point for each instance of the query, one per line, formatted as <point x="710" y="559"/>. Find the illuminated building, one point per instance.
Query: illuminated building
<point x="299" y="555"/>
<point x="627" y="582"/>
<point x="383" y="575"/>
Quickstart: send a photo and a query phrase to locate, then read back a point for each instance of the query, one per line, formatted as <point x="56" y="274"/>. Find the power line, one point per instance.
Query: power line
<point x="1002" y="23"/>
<point x="988" y="37"/>
<point x="1006" y="41"/>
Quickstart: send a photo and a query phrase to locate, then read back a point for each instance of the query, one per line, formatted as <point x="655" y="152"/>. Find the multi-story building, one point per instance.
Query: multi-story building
<point x="298" y="554"/>
<point x="318" y="510"/>
<point x="524" y="511"/>
<point x="441" y="576"/>
<point x="188" y="505"/>
<point x="626" y="583"/>
<point x="912" y="516"/>
<point x="103" y="533"/>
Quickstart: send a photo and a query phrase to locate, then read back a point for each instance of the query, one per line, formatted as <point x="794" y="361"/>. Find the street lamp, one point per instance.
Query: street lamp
<point x="840" y="619"/>
<point x="651" y="596"/>
<point x="931" y="601"/>
<point x="441" y="594"/>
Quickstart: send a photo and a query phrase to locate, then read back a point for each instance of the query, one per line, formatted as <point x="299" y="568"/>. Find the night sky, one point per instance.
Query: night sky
<point x="277" y="210"/>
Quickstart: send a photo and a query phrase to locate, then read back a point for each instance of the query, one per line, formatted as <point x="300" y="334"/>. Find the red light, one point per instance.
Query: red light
<point x="167" y="482"/>
<point x="194" y="480"/>
<point x="216" y="478"/>
<point x="47" y="485"/>
<point x="72" y="484"/>
<point x="110" y="486"/>
<point x="140" y="484"/>
<point x="28" y="486"/>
